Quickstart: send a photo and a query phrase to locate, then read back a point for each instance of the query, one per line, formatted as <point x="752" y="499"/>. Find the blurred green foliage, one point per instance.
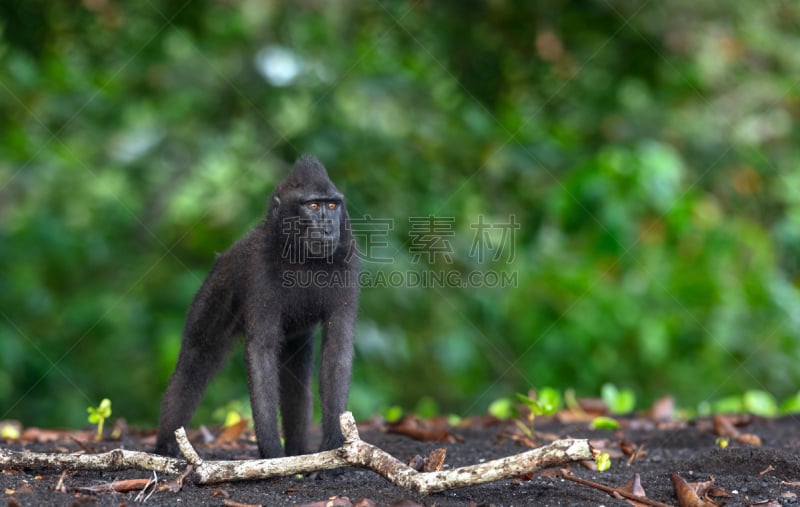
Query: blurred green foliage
<point x="648" y="151"/>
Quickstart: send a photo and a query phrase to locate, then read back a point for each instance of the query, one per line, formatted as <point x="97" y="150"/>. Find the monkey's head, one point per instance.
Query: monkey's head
<point x="307" y="212"/>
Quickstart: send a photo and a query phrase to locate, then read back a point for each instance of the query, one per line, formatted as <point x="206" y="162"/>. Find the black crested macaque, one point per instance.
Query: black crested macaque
<point x="306" y="230"/>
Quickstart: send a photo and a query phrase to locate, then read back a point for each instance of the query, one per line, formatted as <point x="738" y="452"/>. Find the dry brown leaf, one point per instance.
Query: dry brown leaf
<point x="230" y="434"/>
<point x="749" y="439"/>
<point x="634" y="487"/>
<point x="628" y="448"/>
<point x="702" y="488"/>
<point x="632" y="450"/>
<point x="43" y="436"/>
<point x="123" y="486"/>
<point x="723" y="426"/>
<point x="766" y="503"/>
<point x="719" y="492"/>
<point x="424" y="430"/>
<point x="663" y="409"/>
<point x="435" y="460"/>
<point x="365" y="502"/>
<point x="688" y="494"/>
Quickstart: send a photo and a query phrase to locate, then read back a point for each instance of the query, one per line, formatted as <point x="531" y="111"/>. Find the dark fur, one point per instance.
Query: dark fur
<point x="245" y="293"/>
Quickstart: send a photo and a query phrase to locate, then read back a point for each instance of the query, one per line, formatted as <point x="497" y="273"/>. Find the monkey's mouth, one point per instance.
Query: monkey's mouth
<point x="320" y="247"/>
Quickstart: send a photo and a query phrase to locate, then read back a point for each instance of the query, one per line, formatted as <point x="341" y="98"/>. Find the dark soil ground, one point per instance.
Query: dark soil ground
<point x="744" y="474"/>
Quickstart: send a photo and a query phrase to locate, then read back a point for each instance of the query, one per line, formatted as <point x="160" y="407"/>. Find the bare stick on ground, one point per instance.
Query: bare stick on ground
<point x="354" y="452"/>
<point x="619" y="492"/>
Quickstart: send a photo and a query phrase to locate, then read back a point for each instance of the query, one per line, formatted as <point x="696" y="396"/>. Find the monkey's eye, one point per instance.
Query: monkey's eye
<point x="313" y="206"/>
<point x="332" y="205"/>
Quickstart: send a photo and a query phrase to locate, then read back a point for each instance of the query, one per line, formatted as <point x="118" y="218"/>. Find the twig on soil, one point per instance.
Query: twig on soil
<point x="148" y="490"/>
<point x="565" y="474"/>
<point x="354" y="452"/>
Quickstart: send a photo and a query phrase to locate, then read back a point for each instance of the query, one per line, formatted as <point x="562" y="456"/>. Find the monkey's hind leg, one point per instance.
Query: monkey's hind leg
<point x="209" y="333"/>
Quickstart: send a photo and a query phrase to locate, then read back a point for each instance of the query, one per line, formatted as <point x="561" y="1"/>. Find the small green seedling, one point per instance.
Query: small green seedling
<point x="546" y="402"/>
<point x="604" y="423"/>
<point x="98" y="415"/>
<point x="602" y="462"/>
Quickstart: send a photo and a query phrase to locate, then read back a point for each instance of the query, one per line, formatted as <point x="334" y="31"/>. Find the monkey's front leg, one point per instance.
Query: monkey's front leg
<point x="334" y="377"/>
<point x="297" y="402"/>
<point x="261" y="351"/>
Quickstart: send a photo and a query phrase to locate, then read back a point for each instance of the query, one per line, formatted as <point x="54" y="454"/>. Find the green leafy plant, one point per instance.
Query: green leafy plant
<point x="503" y="409"/>
<point x="791" y="405"/>
<point x="753" y="401"/>
<point x="545" y="401"/>
<point x="98" y="415"/>
<point x="760" y="403"/>
<point x="427" y="407"/>
<point x="618" y="401"/>
<point x="393" y="413"/>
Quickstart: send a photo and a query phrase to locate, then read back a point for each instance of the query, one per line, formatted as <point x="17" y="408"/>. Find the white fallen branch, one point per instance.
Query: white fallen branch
<point x="118" y="459"/>
<point x="354" y="452"/>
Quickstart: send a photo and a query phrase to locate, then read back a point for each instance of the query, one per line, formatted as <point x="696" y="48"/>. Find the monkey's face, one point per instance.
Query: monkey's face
<point x="320" y="221"/>
<point x="311" y="224"/>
